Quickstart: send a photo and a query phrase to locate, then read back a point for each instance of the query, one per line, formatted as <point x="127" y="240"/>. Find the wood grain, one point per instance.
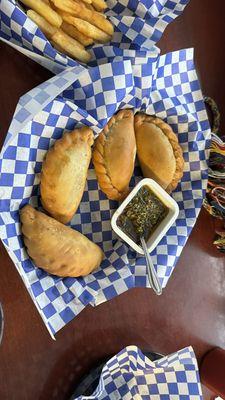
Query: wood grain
<point x="191" y="310"/>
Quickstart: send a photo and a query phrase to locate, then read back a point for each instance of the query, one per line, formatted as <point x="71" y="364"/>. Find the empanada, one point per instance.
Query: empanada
<point x="114" y="155"/>
<point x="64" y="173"/>
<point x="57" y="248"/>
<point x="158" y="150"/>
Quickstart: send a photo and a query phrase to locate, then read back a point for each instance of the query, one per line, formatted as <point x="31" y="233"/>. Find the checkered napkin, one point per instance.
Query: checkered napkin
<point x="132" y="376"/>
<point x="166" y="86"/>
<point x="138" y="24"/>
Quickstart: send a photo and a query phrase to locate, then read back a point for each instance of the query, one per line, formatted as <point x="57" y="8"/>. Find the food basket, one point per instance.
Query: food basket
<point x="166" y="86"/>
<point x="138" y="25"/>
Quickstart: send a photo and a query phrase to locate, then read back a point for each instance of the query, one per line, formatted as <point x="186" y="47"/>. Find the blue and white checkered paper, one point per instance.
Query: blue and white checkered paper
<point x="132" y="376"/>
<point x="167" y="87"/>
<point x="138" y="24"/>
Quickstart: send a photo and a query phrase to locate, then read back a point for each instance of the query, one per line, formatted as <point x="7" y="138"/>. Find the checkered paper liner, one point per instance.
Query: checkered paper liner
<point x="130" y="375"/>
<point x="138" y="24"/>
<point x="167" y="87"/>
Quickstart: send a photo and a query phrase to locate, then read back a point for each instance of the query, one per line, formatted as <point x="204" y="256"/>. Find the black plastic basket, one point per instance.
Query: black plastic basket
<point x="90" y="381"/>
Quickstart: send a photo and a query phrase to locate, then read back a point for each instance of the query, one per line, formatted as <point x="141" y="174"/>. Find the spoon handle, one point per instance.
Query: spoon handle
<point x="152" y="276"/>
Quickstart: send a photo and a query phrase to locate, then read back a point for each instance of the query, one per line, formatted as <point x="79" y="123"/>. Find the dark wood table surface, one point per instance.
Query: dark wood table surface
<point x="192" y="308"/>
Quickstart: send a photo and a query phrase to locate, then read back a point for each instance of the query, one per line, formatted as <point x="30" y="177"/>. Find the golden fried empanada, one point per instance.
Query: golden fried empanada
<point x="57" y="248"/>
<point x="158" y="150"/>
<point x="114" y="155"/>
<point x="64" y="173"/>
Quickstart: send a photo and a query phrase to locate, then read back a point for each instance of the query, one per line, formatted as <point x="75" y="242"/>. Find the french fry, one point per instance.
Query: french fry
<point x="57" y="47"/>
<point x="86" y="28"/>
<point x="99" y="5"/>
<point x="74" y="33"/>
<point x="80" y="11"/>
<point x="64" y="5"/>
<point x="47" y="2"/>
<point x="89" y="6"/>
<point x="70" y="46"/>
<point x="45" y="11"/>
<point x="52" y="5"/>
<point x="41" y="22"/>
<point x="87" y="1"/>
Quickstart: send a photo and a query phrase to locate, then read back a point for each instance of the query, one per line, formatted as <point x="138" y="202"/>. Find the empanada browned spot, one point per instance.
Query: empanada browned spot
<point x="64" y="173"/>
<point x="58" y="249"/>
<point x="114" y="155"/>
<point x="159" y="153"/>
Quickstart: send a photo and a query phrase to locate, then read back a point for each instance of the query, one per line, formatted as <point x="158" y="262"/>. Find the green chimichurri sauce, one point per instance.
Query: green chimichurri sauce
<point x="142" y="215"/>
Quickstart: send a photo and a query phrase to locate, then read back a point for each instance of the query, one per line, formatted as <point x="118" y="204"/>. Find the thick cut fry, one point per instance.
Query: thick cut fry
<point x="99" y="5"/>
<point x="74" y="33"/>
<point x="57" y="47"/>
<point x="86" y="28"/>
<point x="64" y="37"/>
<point x="53" y="6"/>
<point x="80" y="11"/>
<point x="47" y="2"/>
<point x="64" y="5"/>
<point x="89" y="6"/>
<point x="45" y="11"/>
<point x="41" y="22"/>
<point x="71" y="46"/>
<point x="87" y="1"/>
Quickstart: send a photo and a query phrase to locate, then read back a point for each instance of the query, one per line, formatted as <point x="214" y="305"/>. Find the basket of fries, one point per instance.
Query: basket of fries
<point x="71" y="25"/>
<point x="63" y="33"/>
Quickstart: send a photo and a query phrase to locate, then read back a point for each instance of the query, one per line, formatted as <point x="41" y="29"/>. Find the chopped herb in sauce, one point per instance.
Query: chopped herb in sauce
<point x="142" y="215"/>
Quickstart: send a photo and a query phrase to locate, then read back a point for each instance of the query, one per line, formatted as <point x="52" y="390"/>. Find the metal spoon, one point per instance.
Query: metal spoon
<point x="152" y="276"/>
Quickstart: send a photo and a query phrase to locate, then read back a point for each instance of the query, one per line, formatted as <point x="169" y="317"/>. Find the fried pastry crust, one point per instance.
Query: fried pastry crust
<point x="114" y="155"/>
<point x="158" y="150"/>
<point x="58" y="249"/>
<point x="64" y="173"/>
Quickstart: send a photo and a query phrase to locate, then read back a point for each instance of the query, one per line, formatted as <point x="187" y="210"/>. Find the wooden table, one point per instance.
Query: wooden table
<point x="192" y="308"/>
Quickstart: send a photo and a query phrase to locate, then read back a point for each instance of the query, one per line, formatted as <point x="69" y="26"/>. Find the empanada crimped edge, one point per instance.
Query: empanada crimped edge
<point x="173" y="140"/>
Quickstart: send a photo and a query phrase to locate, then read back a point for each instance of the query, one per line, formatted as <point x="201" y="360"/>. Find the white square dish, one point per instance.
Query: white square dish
<point x="161" y="229"/>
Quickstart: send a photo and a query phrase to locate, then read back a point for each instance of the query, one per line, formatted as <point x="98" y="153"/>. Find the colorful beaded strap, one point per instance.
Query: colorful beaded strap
<point x="214" y="202"/>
